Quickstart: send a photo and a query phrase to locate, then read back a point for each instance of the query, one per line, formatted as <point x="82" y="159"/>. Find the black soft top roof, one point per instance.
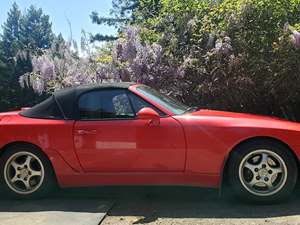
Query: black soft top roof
<point x="65" y="100"/>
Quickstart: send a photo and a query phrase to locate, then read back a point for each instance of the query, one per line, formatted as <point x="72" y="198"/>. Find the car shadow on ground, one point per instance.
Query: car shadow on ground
<point x="151" y="203"/>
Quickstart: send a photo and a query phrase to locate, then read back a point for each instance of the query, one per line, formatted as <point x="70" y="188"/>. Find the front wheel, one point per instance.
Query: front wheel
<point x="25" y="173"/>
<point x="262" y="172"/>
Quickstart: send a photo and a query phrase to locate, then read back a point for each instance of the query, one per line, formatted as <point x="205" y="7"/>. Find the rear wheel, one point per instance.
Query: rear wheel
<point x="262" y="171"/>
<point x="26" y="172"/>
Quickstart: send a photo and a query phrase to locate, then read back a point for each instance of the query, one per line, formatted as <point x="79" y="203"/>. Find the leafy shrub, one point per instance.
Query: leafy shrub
<point x="241" y="55"/>
<point x="235" y="55"/>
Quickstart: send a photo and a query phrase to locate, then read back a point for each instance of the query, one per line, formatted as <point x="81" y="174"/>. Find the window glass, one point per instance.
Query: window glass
<point x="138" y="103"/>
<point x="105" y="104"/>
<point x="169" y="103"/>
<point x="122" y="106"/>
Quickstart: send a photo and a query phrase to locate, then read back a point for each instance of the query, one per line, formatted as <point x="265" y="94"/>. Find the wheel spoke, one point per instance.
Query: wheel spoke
<point x="269" y="184"/>
<point x="277" y="170"/>
<point x="15" y="165"/>
<point x="28" y="161"/>
<point x="15" y="179"/>
<point x="35" y="173"/>
<point x="27" y="184"/>
<point x="250" y="167"/>
<point x="264" y="158"/>
<point x="252" y="182"/>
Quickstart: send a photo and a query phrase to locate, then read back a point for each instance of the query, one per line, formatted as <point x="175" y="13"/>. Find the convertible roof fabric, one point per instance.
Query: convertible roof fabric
<point x="62" y="104"/>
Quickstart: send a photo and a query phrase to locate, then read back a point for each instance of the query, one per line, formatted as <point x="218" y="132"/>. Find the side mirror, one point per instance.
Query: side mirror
<point x="148" y="113"/>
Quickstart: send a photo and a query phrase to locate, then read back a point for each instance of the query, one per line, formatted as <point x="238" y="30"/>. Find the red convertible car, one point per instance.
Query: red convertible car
<point x="130" y="134"/>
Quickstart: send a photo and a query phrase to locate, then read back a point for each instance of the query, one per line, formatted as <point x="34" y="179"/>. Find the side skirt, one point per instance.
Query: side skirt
<point x="100" y="179"/>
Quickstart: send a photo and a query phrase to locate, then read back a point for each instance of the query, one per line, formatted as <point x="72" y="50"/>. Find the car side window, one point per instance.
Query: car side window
<point x="105" y="104"/>
<point x="122" y="106"/>
<point x="138" y="103"/>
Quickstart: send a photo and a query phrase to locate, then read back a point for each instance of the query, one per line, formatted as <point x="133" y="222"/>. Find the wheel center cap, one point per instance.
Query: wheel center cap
<point x="263" y="172"/>
<point x="24" y="173"/>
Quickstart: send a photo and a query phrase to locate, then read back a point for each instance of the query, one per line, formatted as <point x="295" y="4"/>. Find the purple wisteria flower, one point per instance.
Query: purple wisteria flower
<point x="223" y="46"/>
<point x="131" y="60"/>
<point x="295" y="35"/>
<point x="296" y="38"/>
<point x="51" y="72"/>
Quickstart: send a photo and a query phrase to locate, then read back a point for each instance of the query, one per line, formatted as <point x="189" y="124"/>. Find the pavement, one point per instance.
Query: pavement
<point x="55" y="211"/>
<point x="146" y="205"/>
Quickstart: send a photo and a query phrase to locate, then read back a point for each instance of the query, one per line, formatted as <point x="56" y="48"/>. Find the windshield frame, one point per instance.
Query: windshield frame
<point x="167" y="110"/>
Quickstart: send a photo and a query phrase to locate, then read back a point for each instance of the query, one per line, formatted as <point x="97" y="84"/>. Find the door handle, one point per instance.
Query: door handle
<point x="86" y="132"/>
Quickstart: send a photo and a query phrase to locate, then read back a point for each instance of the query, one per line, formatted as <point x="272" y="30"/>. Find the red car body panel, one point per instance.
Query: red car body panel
<point x="187" y="149"/>
<point x="211" y="135"/>
<point x="129" y="146"/>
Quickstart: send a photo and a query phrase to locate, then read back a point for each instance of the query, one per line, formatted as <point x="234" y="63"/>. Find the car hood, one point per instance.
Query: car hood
<point x="214" y="118"/>
<point x="216" y="113"/>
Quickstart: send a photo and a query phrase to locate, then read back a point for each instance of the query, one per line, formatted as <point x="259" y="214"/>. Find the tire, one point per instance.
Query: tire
<point x="262" y="172"/>
<point x="25" y="172"/>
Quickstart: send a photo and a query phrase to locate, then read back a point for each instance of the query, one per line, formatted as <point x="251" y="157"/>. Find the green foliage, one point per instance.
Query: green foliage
<point x="35" y="30"/>
<point x="238" y="55"/>
<point x="104" y="54"/>
<point x="121" y="13"/>
<point x="235" y="54"/>
<point x="22" y="36"/>
<point x="11" y="34"/>
<point x="147" y="9"/>
<point x="269" y="60"/>
<point x="125" y="12"/>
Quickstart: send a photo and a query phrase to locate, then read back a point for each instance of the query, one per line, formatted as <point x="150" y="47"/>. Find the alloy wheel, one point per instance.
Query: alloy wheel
<point x="24" y="172"/>
<point x="263" y="172"/>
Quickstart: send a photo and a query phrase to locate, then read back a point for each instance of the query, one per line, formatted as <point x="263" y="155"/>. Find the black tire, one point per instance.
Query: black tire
<point x="46" y="186"/>
<point x="287" y="184"/>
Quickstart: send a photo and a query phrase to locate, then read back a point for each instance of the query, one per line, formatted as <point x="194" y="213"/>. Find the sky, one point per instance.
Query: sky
<point x="60" y="11"/>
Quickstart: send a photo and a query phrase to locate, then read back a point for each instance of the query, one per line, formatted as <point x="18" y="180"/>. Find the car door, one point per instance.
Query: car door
<point x="109" y="138"/>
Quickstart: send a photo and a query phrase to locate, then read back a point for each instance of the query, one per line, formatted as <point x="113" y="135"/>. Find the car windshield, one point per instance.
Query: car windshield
<point x="167" y="102"/>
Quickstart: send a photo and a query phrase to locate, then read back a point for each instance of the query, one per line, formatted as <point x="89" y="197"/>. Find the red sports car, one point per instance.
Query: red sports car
<point x="130" y="134"/>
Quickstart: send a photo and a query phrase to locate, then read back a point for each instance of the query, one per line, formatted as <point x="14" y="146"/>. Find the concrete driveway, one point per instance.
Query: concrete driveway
<point x="146" y="205"/>
<point x="179" y="205"/>
<point x="60" y="209"/>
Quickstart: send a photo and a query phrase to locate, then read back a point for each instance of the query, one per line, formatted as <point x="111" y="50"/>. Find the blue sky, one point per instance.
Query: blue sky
<point x="60" y="11"/>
